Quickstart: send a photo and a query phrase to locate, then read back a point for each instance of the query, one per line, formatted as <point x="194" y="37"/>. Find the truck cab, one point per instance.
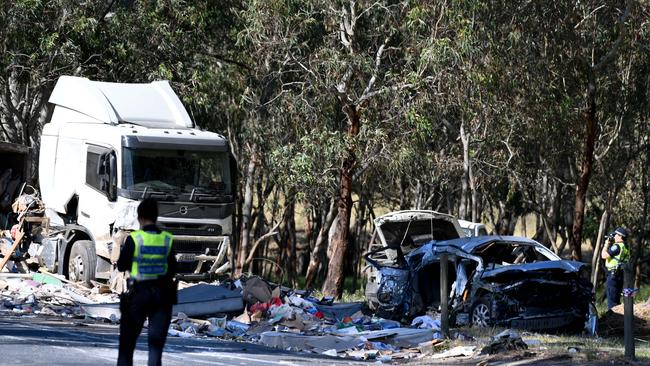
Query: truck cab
<point x="472" y="228"/>
<point x="110" y="145"/>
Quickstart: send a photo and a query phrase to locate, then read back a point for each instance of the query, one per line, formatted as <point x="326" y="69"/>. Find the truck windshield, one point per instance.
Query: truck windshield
<point x="176" y="171"/>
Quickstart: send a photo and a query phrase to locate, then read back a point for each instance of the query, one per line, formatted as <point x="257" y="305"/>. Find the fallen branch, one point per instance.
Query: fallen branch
<point x="259" y="241"/>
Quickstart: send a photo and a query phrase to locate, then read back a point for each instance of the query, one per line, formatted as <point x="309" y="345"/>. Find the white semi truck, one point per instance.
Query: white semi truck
<point x="110" y="145"/>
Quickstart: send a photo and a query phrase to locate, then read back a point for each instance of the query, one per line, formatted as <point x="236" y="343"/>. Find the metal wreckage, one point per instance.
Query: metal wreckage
<point x="494" y="280"/>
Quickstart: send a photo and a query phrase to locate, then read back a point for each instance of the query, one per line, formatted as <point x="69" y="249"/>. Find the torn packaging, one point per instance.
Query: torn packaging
<point x="256" y="290"/>
<point x="524" y="285"/>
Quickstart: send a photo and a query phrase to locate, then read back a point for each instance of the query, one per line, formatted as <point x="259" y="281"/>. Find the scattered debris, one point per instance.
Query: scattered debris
<point x="207" y="299"/>
<point x="460" y="351"/>
<point x="293" y="320"/>
<point x="505" y="341"/>
<point x="41" y="293"/>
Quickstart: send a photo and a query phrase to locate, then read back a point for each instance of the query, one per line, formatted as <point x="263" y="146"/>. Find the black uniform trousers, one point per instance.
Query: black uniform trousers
<point x="614" y="287"/>
<point x="142" y="301"/>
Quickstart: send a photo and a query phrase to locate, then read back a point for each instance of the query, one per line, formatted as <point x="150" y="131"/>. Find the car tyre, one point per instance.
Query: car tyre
<point x="482" y="313"/>
<point x="82" y="262"/>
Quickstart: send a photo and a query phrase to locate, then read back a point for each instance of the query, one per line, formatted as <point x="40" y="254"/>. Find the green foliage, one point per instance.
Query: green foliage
<point x="279" y="78"/>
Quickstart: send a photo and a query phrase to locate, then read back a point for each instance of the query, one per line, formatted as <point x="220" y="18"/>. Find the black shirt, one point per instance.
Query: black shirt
<point x="125" y="261"/>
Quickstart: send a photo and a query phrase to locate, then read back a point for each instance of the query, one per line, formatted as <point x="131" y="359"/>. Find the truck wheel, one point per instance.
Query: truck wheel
<point x="82" y="262"/>
<point x="482" y="313"/>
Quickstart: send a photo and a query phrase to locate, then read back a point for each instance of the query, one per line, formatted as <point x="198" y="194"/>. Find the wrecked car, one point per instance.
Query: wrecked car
<point x="494" y="281"/>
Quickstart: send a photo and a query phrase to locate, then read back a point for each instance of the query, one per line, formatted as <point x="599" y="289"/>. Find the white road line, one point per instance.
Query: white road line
<point x="194" y="360"/>
<point x="239" y="358"/>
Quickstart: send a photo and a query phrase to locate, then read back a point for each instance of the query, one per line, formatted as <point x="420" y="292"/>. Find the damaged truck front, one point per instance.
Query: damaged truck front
<point x="108" y="146"/>
<point x="495" y="281"/>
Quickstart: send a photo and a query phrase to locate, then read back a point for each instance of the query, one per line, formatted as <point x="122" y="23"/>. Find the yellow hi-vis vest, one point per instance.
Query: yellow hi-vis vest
<point x="613" y="263"/>
<point x="150" y="255"/>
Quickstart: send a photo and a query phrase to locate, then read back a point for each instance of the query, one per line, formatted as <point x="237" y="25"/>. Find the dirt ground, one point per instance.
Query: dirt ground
<point x="611" y="324"/>
<point x="539" y="356"/>
<point x="542" y="349"/>
<point x="531" y="358"/>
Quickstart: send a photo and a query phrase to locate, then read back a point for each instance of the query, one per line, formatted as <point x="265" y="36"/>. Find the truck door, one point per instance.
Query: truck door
<point x="97" y="197"/>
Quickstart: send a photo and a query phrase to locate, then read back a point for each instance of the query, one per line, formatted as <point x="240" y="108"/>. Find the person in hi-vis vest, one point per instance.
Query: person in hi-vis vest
<point x="149" y="257"/>
<point x="616" y="254"/>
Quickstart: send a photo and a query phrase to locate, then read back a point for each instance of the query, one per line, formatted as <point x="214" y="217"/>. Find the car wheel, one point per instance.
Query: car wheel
<point x="482" y="313"/>
<point x="82" y="262"/>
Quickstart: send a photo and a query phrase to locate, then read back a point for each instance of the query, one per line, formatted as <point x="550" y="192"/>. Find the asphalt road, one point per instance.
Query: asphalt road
<point x="44" y="340"/>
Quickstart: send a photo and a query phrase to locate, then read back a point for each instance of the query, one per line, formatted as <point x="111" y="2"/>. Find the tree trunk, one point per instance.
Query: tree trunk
<point x="465" y="177"/>
<point x="318" y="254"/>
<point x="358" y="238"/>
<point x="403" y="193"/>
<point x="247" y="209"/>
<point x="585" y="173"/>
<point x="288" y="240"/>
<point x="642" y="241"/>
<point x="333" y="285"/>
<point x="335" y="275"/>
<point x="595" y="260"/>
<point x="563" y="242"/>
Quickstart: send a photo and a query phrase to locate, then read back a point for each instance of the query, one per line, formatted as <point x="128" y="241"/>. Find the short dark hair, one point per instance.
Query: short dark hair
<point x="148" y="209"/>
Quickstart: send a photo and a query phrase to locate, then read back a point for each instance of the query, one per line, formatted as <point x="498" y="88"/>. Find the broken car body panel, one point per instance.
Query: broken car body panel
<point x="412" y="228"/>
<point x="507" y="281"/>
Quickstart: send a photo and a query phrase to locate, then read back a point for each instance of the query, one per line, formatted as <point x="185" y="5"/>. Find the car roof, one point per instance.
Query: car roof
<point x="468" y="244"/>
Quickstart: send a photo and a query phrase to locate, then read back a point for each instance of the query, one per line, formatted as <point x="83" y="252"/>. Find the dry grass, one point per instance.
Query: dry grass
<point x="548" y="349"/>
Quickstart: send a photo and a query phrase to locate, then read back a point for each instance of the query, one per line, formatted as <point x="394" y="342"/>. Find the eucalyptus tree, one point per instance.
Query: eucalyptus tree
<point x="39" y="40"/>
<point x="561" y="57"/>
<point x="347" y="73"/>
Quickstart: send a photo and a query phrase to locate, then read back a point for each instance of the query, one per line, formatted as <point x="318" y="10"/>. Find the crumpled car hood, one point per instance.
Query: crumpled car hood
<point x="431" y="252"/>
<point x="561" y="266"/>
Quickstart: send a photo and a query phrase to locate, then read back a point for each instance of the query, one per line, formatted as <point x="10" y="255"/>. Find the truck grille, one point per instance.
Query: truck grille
<point x="196" y="244"/>
<point x="187" y="246"/>
<point x="191" y="229"/>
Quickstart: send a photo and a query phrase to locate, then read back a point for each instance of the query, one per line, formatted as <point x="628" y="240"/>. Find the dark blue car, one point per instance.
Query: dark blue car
<point x="494" y="280"/>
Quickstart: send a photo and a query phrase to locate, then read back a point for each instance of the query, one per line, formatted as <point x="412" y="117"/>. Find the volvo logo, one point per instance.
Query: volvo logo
<point x="183" y="210"/>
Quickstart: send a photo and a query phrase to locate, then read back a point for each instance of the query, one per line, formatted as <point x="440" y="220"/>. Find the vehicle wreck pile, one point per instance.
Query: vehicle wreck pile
<point x="493" y="281"/>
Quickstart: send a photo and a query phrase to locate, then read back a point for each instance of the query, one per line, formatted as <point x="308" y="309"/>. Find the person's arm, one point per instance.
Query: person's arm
<point x="171" y="263"/>
<point x="126" y="255"/>
<point x="604" y="254"/>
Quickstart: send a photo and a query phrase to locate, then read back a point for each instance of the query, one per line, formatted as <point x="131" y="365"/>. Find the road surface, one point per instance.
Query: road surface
<point x="41" y="340"/>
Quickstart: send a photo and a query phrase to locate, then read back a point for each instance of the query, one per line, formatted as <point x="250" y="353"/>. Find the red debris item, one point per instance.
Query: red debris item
<point x="260" y="306"/>
<point x="14" y="231"/>
<point x="347" y="320"/>
<point x="275" y="301"/>
<point x="319" y="315"/>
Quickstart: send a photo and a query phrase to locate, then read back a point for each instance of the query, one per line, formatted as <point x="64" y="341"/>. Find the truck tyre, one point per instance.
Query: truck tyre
<point x="82" y="262"/>
<point x="481" y="314"/>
